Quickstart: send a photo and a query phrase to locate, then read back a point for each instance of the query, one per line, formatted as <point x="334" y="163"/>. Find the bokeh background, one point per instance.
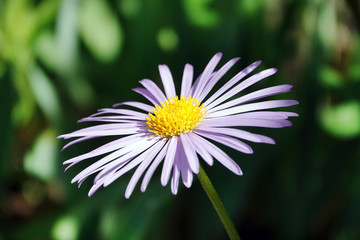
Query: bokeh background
<point x="62" y="60"/>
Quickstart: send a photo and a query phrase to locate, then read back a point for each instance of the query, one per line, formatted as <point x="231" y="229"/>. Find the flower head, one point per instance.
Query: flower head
<point x="176" y="130"/>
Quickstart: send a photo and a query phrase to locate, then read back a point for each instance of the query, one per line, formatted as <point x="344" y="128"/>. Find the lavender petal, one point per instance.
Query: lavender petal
<point x="167" y="81"/>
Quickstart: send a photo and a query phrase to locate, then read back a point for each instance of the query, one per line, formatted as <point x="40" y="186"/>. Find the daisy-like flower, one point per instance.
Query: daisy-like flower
<point x="179" y="129"/>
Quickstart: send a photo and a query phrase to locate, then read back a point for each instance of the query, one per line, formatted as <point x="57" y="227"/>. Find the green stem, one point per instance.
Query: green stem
<point x="218" y="205"/>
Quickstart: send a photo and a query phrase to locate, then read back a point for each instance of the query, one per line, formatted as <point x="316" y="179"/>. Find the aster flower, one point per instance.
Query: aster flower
<point x="177" y="130"/>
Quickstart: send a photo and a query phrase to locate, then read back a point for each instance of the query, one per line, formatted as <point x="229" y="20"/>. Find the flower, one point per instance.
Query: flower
<point x="178" y="130"/>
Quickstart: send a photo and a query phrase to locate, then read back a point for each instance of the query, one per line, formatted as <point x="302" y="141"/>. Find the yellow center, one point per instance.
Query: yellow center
<point x="175" y="116"/>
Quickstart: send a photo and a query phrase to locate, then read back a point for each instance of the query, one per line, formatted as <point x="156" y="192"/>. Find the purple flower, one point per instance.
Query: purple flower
<point x="176" y="131"/>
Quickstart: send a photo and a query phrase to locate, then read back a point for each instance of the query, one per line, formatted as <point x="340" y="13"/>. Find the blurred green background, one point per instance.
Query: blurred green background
<point x="62" y="60"/>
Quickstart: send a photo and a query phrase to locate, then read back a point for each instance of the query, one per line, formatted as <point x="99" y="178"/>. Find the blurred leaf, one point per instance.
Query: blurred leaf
<point x="200" y="14"/>
<point x="46" y="49"/>
<point x="342" y="120"/>
<point x="40" y="161"/>
<point x="251" y="7"/>
<point x="45" y="94"/>
<point x="66" y="37"/>
<point x="167" y="39"/>
<point x="19" y="20"/>
<point x="100" y="29"/>
<point x="354" y="73"/>
<point x="25" y="107"/>
<point x="327" y="25"/>
<point x="130" y="8"/>
<point x="329" y="77"/>
<point x="66" y="228"/>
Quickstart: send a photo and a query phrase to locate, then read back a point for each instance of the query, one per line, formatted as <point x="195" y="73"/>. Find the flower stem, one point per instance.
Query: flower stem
<point x="218" y="205"/>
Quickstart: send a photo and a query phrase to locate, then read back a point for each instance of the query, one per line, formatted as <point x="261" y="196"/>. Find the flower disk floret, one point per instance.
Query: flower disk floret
<point x="175" y="116"/>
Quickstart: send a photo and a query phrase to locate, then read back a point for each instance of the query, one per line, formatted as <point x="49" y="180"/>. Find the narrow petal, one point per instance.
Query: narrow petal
<point x="107" y="148"/>
<point x="139" y="105"/>
<point x="112" y="132"/>
<point x="199" y="149"/>
<point x="125" y="112"/>
<point x="190" y="152"/>
<point x="153" y="167"/>
<point x="253" y="107"/>
<point x="140" y="170"/>
<point x="219" y="155"/>
<point x="167" y="81"/>
<point x="205" y="76"/>
<point x="175" y="177"/>
<point x="227" y="141"/>
<point x="232" y="82"/>
<point x="75" y="141"/>
<point x="94" y="188"/>
<point x="187" y="80"/>
<point x="123" y="161"/>
<point x="105" y="127"/>
<point x="115" y="158"/>
<point x="169" y="160"/>
<point x="239" y="121"/>
<point x="153" y="89"/>
<point x="266" y="92"/>
<point x="243" y="85"/>
<point x="147" y="94"/>
<point x="186" y="173"/>
<point x="268" y="115"/>
<point x="113" y="119"/>
<point x="219" y="74"/>
<point x="145" y="159"/>
<point x="239" y="134"/>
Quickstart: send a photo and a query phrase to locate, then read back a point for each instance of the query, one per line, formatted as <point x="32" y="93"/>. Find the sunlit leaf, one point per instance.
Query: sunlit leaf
<point x="167" y="39"/>
<point x="130" y="8"/>
<point x="45" y="94"/>
<point x="40" y="161"/>
<point x="66" y="228"/>
<point x="200" y="13"/>
<point x="46" y="49"/>
<point x="327" y="28"/>
<point x="66" y="36"/>
<point x="342" y="120"/>
<point x="329" y="77"/>
<point x="100" y="29"/>
<point x="251" y="7"/>
<point x="354" y="73"/>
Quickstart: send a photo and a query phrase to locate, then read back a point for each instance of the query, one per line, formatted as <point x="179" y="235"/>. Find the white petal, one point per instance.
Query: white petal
<point x="219" y="74"/>
<point x="187" y="80"/>
<point x="266" y="92"/>
<point x="169" y="160"/>
<point x="241" y="86"/>
<point x="220" y="155"/>
<point x="253" y="107"/>
<point x="190" y="152"/>
<point x="205" y="76"/>
<point x="232" y="82"/>
<point x="153" y="89"/>
<point x="167" y="81"/>
<point x="153" y="167"/>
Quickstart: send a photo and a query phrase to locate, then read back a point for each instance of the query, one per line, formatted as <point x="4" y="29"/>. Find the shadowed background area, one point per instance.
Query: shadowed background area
<point x="62" y="60"/>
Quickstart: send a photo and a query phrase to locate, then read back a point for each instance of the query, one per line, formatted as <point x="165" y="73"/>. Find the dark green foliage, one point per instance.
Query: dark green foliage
<point x="62" y="60"/>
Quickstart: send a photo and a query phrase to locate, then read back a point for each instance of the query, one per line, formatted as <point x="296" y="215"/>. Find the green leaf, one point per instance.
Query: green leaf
<point x="100" y="30"/>
<point x="342" y="120"/>
<point x="40" y="161"/>
<point x="200" y="14"/>
<point x="45" y="94"/>
<point x="167" y="39"/>
<point x="329" y="77"/>
<point x="66" y="228"/>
